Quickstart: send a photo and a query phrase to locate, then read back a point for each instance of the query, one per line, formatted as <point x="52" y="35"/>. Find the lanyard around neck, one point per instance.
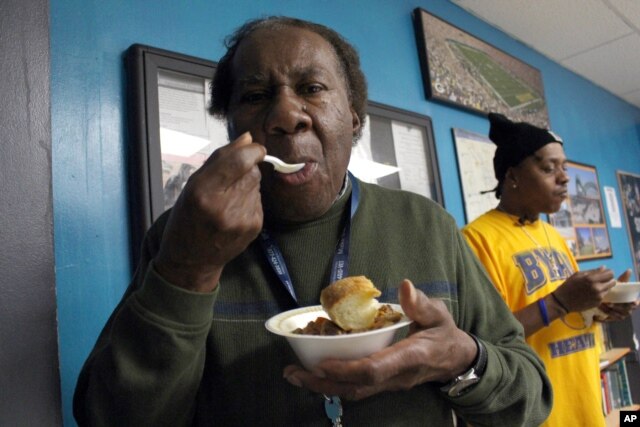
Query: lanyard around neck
<point x="340" y="264"/>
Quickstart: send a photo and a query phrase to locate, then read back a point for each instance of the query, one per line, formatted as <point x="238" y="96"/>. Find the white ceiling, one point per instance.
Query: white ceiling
<point x="597" y="39"/>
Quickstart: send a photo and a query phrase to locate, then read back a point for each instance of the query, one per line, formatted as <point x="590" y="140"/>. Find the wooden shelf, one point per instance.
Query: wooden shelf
<point x="607" y="359"/>
<point x="613" y="419"/>
<point x="610" y="357"/>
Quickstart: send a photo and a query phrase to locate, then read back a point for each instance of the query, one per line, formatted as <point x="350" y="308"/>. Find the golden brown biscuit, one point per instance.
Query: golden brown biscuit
<point x="351" y="303"/>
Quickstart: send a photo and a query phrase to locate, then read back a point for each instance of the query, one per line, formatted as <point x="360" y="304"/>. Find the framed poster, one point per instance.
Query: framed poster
<point x="581" y="219"/>
<point x="461" y="70"/>
<point x="629" y="184"/>
<point x="397" y="150"/>
<point x="474" y="153"/>
<point x="171" y="132"/>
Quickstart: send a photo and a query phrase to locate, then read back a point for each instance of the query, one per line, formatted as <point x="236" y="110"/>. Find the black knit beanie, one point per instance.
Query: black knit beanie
<point x="515" y="141"/>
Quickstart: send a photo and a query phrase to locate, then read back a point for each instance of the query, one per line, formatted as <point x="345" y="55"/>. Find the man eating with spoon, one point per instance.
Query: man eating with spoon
<point x="187" y="344"/>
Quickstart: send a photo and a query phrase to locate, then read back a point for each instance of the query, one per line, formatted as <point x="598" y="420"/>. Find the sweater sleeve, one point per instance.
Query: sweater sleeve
<point x="147" y="365"/>
<point x="514" y="389"/>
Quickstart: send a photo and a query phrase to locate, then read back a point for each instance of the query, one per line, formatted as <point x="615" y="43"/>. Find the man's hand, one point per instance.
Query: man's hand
<point x="615" y="312"/>
<point x="435" y="350"/>
<point x="585" y="289"/>
<point x="218" y="214"/>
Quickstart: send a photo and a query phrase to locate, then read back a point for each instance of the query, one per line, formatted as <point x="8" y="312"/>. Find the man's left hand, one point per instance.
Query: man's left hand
<point x="434" y="350"/>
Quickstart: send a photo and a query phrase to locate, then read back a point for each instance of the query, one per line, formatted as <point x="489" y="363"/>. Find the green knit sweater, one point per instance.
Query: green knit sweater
<point x="172" y="357"/>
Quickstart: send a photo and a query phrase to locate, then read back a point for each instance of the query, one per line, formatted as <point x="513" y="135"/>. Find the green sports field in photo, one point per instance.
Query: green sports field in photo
<point x="512" y="91"/>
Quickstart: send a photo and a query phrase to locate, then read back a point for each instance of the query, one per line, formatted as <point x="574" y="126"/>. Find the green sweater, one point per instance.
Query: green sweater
<point x="172" y="357"/>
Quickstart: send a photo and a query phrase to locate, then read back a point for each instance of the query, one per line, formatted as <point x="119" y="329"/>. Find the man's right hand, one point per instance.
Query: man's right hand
<point x="218" y="214"/>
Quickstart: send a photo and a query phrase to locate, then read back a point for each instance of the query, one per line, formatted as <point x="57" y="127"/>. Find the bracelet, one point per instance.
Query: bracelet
<point x="543" y="311"/>
<point x="566" y="311"/>
<point x="556" y="299"/>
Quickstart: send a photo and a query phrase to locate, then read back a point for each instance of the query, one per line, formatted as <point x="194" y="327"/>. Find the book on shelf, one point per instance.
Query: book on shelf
<point x="605" y="393"/>
<point x="605" y="336"/>
<point x="623" y="378"/>
<point x="614" y="388"/>
<point x="614" y="379"/>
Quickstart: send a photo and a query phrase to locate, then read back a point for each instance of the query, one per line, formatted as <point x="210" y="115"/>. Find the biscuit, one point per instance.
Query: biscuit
<point x="351" y="302"/>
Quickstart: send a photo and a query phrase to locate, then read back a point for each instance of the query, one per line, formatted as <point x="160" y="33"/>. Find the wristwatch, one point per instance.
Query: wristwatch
<point x="463" y="383"/>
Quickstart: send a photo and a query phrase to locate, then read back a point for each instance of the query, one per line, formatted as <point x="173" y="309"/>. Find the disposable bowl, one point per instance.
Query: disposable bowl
<point x="623" y="292"/>
<point x="312" y="349"/>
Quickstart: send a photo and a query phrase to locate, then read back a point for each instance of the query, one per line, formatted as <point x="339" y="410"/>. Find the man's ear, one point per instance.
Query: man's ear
<point x="355" y="119"/>
<point x="510" y="178"/>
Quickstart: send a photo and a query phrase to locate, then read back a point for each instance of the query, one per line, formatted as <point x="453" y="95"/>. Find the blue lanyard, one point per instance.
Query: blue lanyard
<point x="340" y="264"/>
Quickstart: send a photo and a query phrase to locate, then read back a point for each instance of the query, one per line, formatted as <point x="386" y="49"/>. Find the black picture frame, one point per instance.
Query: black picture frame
<point x="460" y="70"/>
<point x="143" y="64"/>
<point x="629" y="186"/>
<point x="403" y="140"/>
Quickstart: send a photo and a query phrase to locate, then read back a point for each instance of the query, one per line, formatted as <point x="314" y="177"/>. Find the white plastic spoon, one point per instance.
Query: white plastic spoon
<point x="281" y="166"/>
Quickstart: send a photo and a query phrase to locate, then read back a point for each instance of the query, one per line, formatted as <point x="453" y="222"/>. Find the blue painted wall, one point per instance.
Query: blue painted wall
<point x="88" y="39"/>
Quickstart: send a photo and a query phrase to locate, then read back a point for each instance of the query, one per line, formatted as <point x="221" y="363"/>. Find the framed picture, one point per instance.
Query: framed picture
<point x="630" y="193"/>
<point x="397" y="150"/>
<point x="474" y="153"/>
<point x="581" y="219"/>
<point x="461" y="70"/>
<point x="171" y="132"/>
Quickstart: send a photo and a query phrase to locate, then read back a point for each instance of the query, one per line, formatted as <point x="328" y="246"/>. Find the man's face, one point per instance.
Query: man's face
<point x="289" y="93"/>
<point x="542" y="179"/>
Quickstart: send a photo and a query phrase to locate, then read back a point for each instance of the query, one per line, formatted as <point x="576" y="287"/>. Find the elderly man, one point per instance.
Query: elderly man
<point x="187" y="344"/>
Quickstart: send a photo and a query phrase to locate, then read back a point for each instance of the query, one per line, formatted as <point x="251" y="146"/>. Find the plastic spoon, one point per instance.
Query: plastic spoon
<point x="281" y="166"/>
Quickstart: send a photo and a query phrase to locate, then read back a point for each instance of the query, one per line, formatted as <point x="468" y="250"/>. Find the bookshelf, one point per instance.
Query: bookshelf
<point x="620" y="341"/>
<point x="612" y="356"/>
<point x="616" y="388"/>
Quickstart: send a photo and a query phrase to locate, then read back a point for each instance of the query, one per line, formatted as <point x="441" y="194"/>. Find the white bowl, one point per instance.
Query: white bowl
<point x="623" y="292"/>
<point x="312" y="349"/>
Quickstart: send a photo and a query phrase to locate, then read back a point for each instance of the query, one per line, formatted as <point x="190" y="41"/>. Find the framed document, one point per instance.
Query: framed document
<point x="397" y="150"/>
<point x="172" y="133"/>
<point x="463" y="71"/>
<point x="474" y="153"/>
<point x="581" y="219"/>
<point x="630" y="194"/>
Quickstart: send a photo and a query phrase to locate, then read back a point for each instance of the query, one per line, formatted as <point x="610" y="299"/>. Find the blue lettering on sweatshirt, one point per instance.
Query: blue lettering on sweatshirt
<point x="537" y="267"/>
<point x="572" y="345"/>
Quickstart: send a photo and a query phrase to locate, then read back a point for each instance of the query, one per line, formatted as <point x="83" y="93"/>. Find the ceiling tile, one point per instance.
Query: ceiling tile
<point x="558" y="29"/>
<point x="629" y="11"/>
<point x="613" y="66"/>
<point x="633" y="98"/>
